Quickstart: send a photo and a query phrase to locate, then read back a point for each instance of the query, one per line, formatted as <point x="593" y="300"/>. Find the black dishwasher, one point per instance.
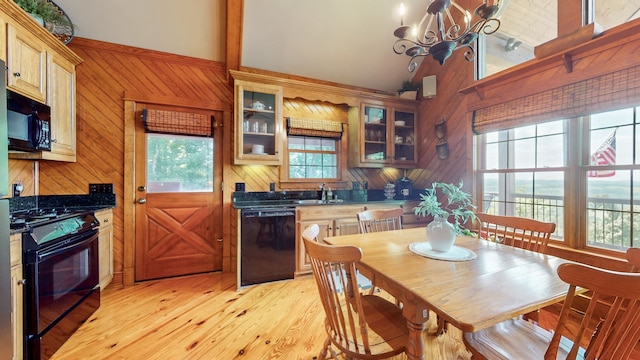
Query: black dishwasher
<point x="267" y="245"/>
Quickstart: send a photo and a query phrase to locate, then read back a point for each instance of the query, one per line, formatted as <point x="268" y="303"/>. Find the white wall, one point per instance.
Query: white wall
<point x="189" y="27"/>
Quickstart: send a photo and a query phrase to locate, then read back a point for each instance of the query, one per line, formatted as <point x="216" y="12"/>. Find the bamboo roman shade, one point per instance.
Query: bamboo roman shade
<point x="606" y="92"/>
<point x="177" y="122"/>
<point x="312" y="127"/>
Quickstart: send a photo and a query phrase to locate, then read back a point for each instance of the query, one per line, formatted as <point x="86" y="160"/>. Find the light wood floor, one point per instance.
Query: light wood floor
<point x="204" y="317"/>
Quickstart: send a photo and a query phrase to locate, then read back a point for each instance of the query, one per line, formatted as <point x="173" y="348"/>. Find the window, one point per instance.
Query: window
<point x="526" y="171"/>
<point x="526" y="24"/>
<point x="313" y="157"/>
<point x="522" y="172"/>
<point x="179" y="163"/>
<point x="613" y="186"/>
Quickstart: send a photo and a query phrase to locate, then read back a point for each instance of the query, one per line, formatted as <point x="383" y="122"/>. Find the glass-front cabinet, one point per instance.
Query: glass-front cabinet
<point x="258" y="124"/>
<point x="382" y="135"/>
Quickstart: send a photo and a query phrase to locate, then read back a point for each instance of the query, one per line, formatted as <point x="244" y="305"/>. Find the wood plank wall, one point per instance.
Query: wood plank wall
<point x="110" y="70"/>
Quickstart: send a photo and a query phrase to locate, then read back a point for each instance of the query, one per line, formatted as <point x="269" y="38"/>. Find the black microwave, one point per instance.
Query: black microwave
<point x="28" y="123"/>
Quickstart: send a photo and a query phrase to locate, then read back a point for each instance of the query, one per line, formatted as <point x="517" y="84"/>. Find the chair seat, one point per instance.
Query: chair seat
<point x="516" y="339"/>
<point x="387" y="327"/>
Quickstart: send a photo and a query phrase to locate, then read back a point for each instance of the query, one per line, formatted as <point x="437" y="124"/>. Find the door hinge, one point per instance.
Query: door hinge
<point x="222" y="186"/>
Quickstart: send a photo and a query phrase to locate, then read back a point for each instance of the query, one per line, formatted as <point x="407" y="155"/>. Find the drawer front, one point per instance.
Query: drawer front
<point x="327" y="212"/>
<point x="105" y="217"/>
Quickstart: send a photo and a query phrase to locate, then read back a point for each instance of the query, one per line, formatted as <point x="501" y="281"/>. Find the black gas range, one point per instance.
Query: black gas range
<point x="60" y="265"/>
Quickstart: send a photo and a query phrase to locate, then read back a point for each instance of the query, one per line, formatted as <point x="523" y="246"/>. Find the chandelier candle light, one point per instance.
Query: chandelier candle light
<point x="442" y="31"/>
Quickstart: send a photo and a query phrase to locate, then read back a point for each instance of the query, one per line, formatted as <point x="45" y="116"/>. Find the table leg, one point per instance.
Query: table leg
<point x="415" y="345"/>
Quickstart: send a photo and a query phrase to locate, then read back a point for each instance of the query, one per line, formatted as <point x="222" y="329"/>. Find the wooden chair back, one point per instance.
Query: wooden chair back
<point x="516" y="231"/>
<point x="380" y="220"/>
<point x="617" y="329"/>
<point x="633" y="257"/>
<point x="618" y="332"/>
<point x="360" y="326"/>
<point x="311" y="232"/>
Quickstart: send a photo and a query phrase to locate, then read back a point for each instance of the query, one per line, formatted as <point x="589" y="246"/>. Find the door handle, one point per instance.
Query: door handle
<point x="142" y="201"/>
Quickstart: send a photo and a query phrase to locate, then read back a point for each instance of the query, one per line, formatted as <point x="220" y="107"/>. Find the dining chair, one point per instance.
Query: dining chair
<point x="516" y="231"/>
<point x="380" y="220"/>
<point x="633" y="257"/>
<point x="358" y="325"/>
<point x="519" y="232"/>
<point x="587" y="335"/>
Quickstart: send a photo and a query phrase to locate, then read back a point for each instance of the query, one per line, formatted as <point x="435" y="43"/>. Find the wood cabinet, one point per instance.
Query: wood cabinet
<point x="105" y="246"/>
<point x="42" y="68"/>
<point x="17" y="295"/>
<point x="61" y="77"/>
<point x="26" y="63"/>
<point x="382" y="135"/>
<point x="259" y="125"/>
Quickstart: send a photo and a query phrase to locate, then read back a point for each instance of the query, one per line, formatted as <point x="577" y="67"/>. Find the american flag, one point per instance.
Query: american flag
<point x="605" y="155"/>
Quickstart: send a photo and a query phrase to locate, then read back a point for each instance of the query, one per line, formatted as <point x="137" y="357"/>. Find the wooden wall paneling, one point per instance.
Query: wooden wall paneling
<point x="23" y="171"/>
<point x="110" y="71"/>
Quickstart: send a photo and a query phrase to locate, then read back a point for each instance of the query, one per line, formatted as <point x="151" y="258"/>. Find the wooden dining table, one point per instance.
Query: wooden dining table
<point x="500" y="283"/>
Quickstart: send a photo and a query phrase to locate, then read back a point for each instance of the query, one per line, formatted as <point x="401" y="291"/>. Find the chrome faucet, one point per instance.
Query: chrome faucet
<point x="324" y="192"/>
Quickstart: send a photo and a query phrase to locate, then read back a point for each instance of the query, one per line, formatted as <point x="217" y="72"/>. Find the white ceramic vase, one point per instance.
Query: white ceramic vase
<point x="440" y="234"/>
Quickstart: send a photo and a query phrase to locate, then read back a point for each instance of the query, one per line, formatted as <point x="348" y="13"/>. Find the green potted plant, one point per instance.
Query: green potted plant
<point x="408" y="90"/>
<point x="440" y="232"/>
<point x="48" y="11"/>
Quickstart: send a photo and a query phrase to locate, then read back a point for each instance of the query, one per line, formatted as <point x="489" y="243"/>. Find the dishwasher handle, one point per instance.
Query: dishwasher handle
<point x="268" y="213"/>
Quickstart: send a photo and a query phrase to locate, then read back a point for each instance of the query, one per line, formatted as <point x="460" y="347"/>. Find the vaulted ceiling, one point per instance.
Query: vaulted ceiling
<point x="348" y="42"/>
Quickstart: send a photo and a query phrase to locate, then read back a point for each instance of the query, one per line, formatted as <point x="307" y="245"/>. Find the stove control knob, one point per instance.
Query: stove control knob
<point x="142" y="201"/>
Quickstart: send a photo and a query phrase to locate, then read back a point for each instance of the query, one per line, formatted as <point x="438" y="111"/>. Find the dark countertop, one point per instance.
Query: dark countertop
<point x="85" y="202"/>
<point x="244" y="200"/>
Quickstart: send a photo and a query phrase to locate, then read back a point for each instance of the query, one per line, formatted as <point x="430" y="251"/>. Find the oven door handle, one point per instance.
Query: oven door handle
<point x="70" y="245"/>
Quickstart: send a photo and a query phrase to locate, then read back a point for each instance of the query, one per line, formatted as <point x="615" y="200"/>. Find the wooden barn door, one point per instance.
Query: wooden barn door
<point x="178" y="197"/>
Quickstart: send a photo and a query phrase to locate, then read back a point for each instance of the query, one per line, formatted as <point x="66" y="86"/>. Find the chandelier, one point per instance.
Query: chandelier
<point x="444" y="28"/>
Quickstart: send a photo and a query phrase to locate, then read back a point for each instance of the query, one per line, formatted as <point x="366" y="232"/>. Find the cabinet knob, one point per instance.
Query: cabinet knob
<point x="22" y="282"/>
<point x="16" y="74"/>
<point x="105" y="221"/>
<point x="142" y="201"/>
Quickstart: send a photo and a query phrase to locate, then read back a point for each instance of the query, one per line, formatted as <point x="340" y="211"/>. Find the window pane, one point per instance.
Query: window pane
<point x="548" y="203"/>
<point x="312" y="143"/>
<point x="524" y="132"/>
<point x="296" y="143"/>
<point x="329" y="173"/>
<point x="522" y="152"/>
<point x="609" y="214"/>
<point x="612" y="118"/>
<point x="610" y="13"/>
<point x="314" y="172"/>
<point x="550" y="128"/>
<point x="329" y="160"/>
<point x="328" y="145"/>
<point x="297" y="172"/>
<point x="525" y="24"/>
<point x="550" y="151"/>
<point x="179" y="163"/>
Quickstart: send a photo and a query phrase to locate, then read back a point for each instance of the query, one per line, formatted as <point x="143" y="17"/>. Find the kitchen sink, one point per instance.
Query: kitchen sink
<point x="318" y="202"/>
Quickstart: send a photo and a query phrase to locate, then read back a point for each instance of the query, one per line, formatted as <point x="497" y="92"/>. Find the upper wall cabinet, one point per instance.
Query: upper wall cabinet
<point x="26" y="64"/>
<point x="61" y="98"/>
<point x="42" y="68"/>
<point x="382" y="135"/>
<point x="259" y="127"/>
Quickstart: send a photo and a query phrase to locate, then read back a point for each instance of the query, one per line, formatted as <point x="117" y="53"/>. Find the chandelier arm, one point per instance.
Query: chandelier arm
<point x="490" y="26"/>
<point x="400" y="45"/>
<point x="413" y="65"/>
<point x="469" y="53"/>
